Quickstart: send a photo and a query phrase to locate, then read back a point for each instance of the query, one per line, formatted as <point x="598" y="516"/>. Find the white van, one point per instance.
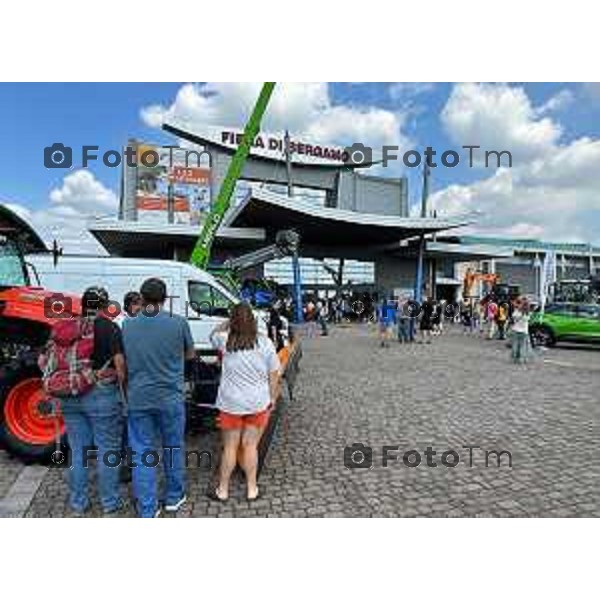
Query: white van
<point x="193" y="293"/>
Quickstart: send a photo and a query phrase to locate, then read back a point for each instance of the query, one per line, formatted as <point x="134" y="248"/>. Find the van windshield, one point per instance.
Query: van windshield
<point x="12" y="273"/>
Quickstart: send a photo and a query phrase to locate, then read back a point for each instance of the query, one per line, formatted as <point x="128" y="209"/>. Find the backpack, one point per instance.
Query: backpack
<point x="501" y="315"/>
<point x="66" y="363"/>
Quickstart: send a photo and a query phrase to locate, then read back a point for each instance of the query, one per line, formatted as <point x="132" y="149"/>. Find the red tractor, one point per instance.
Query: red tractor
<point x="28" y="423"/>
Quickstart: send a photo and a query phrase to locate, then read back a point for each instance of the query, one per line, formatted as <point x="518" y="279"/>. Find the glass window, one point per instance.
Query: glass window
<point x="220" y="301"/>
<point x="560" y="309"/>
<point x="207" y="300"/>
<point x="588" y="311"/>
<point x="200" y="298"/>
<point x="11" y="267"/>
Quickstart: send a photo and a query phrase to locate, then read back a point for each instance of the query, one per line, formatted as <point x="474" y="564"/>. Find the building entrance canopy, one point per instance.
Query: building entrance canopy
<point x="329" y="232"/>
<point x="324" y="232"/>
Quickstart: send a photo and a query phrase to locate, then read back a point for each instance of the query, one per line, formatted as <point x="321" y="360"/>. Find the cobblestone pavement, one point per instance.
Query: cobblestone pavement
<point x="9" y="470"/>
<point x="459" y="391"/>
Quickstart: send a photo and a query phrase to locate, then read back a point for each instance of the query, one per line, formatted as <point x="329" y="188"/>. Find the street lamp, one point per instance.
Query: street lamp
<point x="539" y="284"/>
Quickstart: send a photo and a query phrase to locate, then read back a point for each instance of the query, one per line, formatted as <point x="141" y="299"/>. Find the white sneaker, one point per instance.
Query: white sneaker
<point x="175" y="507"/>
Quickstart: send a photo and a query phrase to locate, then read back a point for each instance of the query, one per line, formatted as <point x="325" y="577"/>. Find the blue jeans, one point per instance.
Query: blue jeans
<point x="94" y="420"/>
<point x="404" y="331"/>
<point x="155" y="430"/>
<point x="520" y="347"/>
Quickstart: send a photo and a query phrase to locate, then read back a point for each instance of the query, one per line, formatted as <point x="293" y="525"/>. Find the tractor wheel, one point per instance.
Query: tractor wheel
<point x="27" y="420"/>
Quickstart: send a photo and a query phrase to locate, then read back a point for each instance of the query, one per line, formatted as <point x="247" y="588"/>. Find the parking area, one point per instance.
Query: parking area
<point x="456" y="393"/>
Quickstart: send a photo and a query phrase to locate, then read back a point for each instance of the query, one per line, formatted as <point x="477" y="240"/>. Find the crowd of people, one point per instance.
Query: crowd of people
<point x="120" y="387"/>
<point x="407" y="321"/>
<point x="120" y="383"/>
<point x="496" y="319"/>
<point x="404" y="320"/>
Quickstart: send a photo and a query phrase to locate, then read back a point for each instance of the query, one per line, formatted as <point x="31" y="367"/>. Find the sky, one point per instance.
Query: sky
<point x="552" y="130"/>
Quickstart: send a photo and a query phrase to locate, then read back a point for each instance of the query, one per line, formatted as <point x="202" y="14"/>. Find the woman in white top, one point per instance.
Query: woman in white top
<point x="248" y="389"/>
<point x="520" y="331"/>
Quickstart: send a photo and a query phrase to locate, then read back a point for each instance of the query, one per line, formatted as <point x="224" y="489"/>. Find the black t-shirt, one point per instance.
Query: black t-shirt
<point x="108" y="341"/>
<point x="276" y="323"/>
<point x="428" y="311"/>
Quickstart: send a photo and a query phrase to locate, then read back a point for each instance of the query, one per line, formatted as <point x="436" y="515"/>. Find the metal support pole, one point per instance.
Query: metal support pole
<point x="420" y="269"/>
<point x="299" y="316"/>
<point x="288" y="163"/>
<point x="170" y="203"/>
<point x="421" y="255"/>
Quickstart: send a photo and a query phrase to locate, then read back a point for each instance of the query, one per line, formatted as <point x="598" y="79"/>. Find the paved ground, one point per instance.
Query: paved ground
<point x="460" y="391"/>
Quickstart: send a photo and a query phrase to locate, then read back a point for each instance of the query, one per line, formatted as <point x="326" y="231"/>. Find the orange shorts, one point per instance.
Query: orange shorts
<point x="230" y="421"/>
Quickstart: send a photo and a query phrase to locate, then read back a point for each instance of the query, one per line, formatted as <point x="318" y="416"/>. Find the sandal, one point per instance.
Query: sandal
<point x="212" y="494"/>
<point x="259" y="494"/>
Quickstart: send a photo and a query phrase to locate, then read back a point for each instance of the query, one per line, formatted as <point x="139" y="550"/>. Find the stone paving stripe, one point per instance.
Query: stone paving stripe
<point x="560" y="363"/>
<point x="19" y="496"/>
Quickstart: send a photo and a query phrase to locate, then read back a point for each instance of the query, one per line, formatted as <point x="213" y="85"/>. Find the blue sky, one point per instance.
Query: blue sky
<point x="553" y="123"/>
<point x="33" y="116"/>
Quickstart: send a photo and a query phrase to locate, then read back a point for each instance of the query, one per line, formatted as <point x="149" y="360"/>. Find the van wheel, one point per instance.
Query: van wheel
<point x="27" y="420"/>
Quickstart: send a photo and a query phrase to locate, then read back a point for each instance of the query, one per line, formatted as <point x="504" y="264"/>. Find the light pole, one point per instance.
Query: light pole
<point x="539" y="283"/>
<point x="298" y="314"/>
<point x="421" y="255"/>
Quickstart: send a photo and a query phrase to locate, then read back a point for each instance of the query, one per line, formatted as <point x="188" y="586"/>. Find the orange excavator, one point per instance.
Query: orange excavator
<point x="471" y="277"/>
<point x="499" y="291"/>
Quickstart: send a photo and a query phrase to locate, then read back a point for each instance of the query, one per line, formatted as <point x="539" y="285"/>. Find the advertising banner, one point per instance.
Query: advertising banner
<point x="174" y="184"/>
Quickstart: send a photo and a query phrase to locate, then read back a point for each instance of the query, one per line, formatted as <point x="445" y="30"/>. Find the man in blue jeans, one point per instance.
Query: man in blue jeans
<point x="158" y="344"/>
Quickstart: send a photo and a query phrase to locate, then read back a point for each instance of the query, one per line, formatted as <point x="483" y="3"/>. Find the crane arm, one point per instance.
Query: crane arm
<point x="286" y="243"/>
<point x="201" y="254"/>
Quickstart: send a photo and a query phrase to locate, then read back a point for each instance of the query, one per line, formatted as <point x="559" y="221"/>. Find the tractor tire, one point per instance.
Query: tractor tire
<point x="27" y="421"/>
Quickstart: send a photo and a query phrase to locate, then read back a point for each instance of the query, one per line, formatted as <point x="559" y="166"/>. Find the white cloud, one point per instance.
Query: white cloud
<point x="498" y="117"/>
<point x="79" y="197"/>
<point x="553" y="189"/>
<point x="82" y="192"/>
<point x="305" y="109"/>
<point x="558" y="102"/>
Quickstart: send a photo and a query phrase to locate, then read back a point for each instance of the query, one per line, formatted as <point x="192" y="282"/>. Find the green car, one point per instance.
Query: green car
<point x="566" y="322"/>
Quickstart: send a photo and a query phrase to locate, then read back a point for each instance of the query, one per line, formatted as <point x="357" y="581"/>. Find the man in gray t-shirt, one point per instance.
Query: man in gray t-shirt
<point x="157" y="344"/>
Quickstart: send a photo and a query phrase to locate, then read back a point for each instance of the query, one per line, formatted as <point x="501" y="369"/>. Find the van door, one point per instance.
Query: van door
<point x="207" y="306"/>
